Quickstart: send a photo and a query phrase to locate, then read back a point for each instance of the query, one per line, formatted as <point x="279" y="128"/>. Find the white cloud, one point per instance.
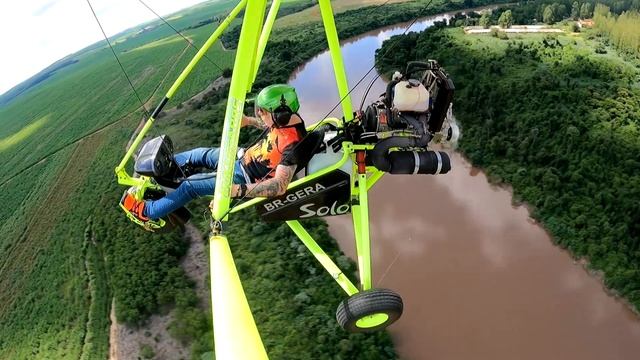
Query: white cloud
<point x="35" y="34"/>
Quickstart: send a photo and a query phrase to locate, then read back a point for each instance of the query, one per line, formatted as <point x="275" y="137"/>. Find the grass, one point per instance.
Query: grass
<point x="85" y="96"/>
<point x="22" y="134"/>
<point x="42" y="275"/>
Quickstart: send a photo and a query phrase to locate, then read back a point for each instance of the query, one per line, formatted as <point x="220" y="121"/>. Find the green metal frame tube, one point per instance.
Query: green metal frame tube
<point x="373" y="178"/>
<point x="266" y="32"/>
<point x="240" y="80"/>
<point x="120" y="169"/>
<point x="360" y="213"/>
<point x="323" y="258"/>
<point x="234" y="330"/>
<point x="336" y="57"/>
<point x="362" y="236"/>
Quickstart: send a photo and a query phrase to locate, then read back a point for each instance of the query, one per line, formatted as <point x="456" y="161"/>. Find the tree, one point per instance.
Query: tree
<point x="506" y="19"/>
<point x="619" y="7"/>
<point x="485" y="20"/>
<point x="556" y="12"/>
<point x="547" y="15"/>
<point x="575" y="10"/>
<point x="561" y="12"/>
<point x="146" y="351"/>
<point x="585" y="10"/>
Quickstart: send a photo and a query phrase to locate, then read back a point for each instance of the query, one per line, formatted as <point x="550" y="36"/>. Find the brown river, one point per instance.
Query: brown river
<point x="479" y="278"/>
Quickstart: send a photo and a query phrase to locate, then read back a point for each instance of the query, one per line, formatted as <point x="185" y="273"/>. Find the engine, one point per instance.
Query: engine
<point x="414" y="111"/>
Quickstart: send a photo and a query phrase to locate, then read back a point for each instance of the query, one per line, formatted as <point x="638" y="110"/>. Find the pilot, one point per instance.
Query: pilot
<point x="264" y="170"/>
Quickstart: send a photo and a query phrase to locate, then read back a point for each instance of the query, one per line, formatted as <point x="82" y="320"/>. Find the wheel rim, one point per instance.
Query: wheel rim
<point x="373" y="320"/>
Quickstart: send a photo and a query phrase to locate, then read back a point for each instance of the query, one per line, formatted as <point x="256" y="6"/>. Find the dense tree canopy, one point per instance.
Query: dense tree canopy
<point x="558" y="123"/>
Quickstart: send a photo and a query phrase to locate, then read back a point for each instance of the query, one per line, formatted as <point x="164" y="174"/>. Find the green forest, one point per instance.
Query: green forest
<point x="622" y="31"/>
<point x="558" y="119"/>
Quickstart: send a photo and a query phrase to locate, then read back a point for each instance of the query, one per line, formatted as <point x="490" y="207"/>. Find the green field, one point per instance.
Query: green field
<point x="55" y="296"/>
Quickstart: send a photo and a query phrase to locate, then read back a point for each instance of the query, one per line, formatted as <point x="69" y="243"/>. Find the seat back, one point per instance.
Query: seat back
<point x="309" y="146"/>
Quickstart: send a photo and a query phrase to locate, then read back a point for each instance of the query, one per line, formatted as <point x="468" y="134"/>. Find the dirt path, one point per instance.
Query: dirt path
<point x="125" y="341"/>
<point x="196" y="264"/>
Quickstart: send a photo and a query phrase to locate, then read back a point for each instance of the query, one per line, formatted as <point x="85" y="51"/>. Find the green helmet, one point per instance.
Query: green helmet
<point x="273" y="96"/>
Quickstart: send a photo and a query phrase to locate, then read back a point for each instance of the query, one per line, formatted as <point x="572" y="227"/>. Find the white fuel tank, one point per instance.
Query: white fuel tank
<point x="411" y="96"/>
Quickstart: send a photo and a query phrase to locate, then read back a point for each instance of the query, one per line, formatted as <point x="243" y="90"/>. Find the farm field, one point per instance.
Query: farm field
<point x="53" y="270"/>
<point x="313" y="13"/>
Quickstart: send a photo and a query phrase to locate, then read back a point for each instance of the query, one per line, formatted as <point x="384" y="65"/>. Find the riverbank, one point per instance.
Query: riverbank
<point x="580" y="176"/>
<point x="480" y="277"/>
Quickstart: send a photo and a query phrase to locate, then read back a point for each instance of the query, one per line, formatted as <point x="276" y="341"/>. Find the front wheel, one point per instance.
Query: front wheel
<point x="369" y="310"/>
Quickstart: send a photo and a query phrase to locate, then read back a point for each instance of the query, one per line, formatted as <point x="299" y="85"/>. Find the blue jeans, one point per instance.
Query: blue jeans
<point x="194" y="186"/>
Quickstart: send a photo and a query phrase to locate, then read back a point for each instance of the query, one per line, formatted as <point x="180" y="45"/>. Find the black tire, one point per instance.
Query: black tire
<point x="367" y="303"/>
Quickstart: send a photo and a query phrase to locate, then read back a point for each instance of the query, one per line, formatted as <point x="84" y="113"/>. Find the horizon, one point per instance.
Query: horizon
<point x="44" y="40"/>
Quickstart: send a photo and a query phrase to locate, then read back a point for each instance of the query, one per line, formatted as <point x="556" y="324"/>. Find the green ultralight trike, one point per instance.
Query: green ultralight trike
<point x="343" y="159"/>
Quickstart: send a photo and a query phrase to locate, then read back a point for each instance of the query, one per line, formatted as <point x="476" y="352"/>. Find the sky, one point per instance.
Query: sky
<point x="36" y="33"/>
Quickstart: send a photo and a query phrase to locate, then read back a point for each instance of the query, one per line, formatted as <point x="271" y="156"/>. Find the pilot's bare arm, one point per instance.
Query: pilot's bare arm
<point x="252" y="121"/>
<point x="269" y="188"/>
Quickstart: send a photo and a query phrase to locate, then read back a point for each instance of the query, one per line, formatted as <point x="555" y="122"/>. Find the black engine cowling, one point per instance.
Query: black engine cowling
<point x="403" y="122"/>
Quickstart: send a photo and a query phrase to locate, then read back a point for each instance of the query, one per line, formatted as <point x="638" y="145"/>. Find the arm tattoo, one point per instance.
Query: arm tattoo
<point x="274" y="186"/>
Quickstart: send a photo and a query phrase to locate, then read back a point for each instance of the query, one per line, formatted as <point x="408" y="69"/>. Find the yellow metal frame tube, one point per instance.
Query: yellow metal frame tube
<point x="234" y="331"/>
<point x="240" y="84"/>
<point x="361" y="227"/>
<point x="375" y="176"/>
<point x="266" y="32"/>
<point x="323" y="258"/>
<point x="123" y="177"/>
<point x="336" y="57"/>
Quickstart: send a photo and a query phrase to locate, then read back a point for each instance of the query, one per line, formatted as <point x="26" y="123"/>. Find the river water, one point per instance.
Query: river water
<point x="479" y="278"/>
